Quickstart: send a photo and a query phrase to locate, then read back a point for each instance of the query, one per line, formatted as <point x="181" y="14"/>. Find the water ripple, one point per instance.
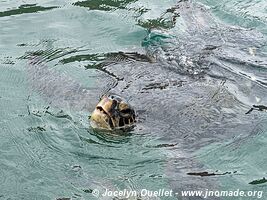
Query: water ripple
<point x="27" y="8"/>
<point x="104" y="5"/>
<point x="191" y="78"/>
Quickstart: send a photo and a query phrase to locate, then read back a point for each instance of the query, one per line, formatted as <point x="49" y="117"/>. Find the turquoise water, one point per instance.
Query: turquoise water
<point x="47" y="148"/>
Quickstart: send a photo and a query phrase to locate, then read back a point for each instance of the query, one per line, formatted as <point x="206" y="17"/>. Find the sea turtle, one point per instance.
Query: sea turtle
<point x="190" y="91"/>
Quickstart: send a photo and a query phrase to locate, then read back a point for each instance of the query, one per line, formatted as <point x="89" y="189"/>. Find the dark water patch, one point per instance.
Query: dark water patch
<point x="21" y="45"/>
<point x="258" y="108"/>
<point x="104" y="5"/>
<point x="41" y="56"/>
<point x="108" y="58"/>
<point x="36" y="129"/>
<point x="259" y="181"/>
<point x="27" y="8"/>
<point x="88" y="190"/>
<point x="63" y="198"/>
<point x="58" y="53"/>
<point x="157" y="23"/>
<point x="163" y="145"/>
<point x="96" y="62"/>
<point x="100" y="61"/>
<point x="47" y="51"/>
<point x="207" y="173"/>
<point x="90" y="57"/>
<point x="166" y="21"/>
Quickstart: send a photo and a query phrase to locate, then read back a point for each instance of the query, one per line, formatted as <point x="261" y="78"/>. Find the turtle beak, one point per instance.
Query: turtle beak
<point x="102" y="115"/>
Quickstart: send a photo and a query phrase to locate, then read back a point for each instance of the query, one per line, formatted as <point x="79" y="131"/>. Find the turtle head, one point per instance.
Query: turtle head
<point x="112" y="112"/>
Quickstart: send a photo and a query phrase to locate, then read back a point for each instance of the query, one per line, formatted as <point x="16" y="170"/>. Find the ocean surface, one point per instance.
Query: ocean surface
<point x="51" y="49"/>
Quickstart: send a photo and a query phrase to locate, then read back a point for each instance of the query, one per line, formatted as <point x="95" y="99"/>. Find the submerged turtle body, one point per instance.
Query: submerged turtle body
<point x="112" y="112"/>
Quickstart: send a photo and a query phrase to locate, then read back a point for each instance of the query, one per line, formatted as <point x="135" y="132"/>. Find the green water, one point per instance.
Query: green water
<point x="50" y="152"/>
